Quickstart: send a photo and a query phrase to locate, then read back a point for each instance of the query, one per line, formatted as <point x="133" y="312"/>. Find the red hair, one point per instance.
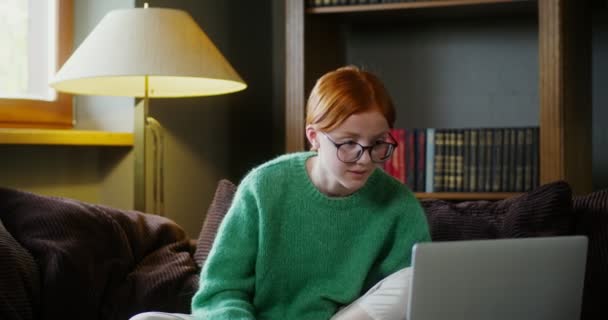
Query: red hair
<point x="346" y="91"/>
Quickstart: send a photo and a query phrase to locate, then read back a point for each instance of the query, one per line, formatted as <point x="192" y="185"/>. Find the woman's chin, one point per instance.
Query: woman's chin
<point x="354" y="184"/>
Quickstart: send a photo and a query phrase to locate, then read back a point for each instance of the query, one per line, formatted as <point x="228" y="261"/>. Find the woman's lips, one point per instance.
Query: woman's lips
<point x="357" y="173"/>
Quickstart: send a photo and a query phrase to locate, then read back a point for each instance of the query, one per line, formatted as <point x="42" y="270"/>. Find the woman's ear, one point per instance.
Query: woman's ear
<point x="313" y="137"/>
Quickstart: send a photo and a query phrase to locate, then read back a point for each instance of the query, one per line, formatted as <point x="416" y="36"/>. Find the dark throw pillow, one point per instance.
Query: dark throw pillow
<point x="215" y="214"/>
<point x="544" y="211"/>
<point x="98" y="260"/>
<point x="592" y="213"/>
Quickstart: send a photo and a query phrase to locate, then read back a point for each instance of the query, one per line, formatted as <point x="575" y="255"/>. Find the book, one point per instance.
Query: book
<point x="458" y="160"/>
<point x="448" y="168"/>
<point x="396" y="165"/>
<point x="481" y="160"/>
<point x="430" y="160"/>
<point x="466" y="160"/>
<point x="520" y="160"/>
<point x="531" y="163"/>
<point x="487" y="166"/>
<point x="506" y="160"/>
<point x="410" y="158"/>
<point x="420" y="148"/>
<point x="438" y="165"/>
<point x="535" y="160"/>
<point x="512" y="159"/>
<point x="473" y="162"/>
<point x="497" y="141"/>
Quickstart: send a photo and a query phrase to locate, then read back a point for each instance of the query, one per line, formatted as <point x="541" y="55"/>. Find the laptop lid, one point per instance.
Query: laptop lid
<point x="523" y="279"/>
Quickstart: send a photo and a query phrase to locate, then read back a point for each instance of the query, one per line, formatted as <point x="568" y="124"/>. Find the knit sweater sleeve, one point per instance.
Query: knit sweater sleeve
<point x="228" y="277"/>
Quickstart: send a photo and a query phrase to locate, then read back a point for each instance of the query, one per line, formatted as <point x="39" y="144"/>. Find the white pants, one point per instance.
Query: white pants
<point x="387" y="300"/>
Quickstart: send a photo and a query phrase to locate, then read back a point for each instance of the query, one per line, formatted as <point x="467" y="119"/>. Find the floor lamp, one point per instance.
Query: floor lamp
<point x="147" y="53"/>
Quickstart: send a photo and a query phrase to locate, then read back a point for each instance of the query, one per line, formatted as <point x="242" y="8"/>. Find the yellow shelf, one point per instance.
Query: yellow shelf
<point x="65" y="137"/>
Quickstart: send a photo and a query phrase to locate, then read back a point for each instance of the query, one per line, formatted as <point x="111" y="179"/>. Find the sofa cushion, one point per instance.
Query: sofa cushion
<point x="97" y="260"/>
<point x="19" y="280"/>
<point x="543" y="211"/>
<point x="215" y="214"/>
<point x="592" y="214"/>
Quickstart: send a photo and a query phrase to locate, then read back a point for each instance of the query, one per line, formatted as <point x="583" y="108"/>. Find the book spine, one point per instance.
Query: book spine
<point x="497" y="160"/>
<point x="399" y="164"/>
<point x="438" y="166"/>
<point x="411" y="158"/>
<point x="466" y="161"/>
<point x="487" y="181"/>
<point x="473" y="162"/>
<point x="504" y="179"/>
<point x="451" y="161"/>
<point x="430" y="160"/>
<point x="520" y="162"/>
<point x="392" y="165"/>
<point x="481" y="160"/>
<point x="535" y="152"/>
<point x="459" y="160"/>
<point x="420" y="159"/>
<point x="512" y="159"/>
<point x="528" y="140"/>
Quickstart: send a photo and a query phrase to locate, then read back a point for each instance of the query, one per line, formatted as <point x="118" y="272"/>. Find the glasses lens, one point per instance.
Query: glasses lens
<point x="382" y="151"/>
<point x="349" y="152"/>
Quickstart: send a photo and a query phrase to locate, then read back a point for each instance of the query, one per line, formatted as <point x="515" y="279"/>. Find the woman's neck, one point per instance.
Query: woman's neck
<point x="322" y="180"/>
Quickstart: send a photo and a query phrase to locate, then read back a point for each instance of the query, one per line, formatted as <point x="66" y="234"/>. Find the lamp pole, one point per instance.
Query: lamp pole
<point x="139" y="183"/>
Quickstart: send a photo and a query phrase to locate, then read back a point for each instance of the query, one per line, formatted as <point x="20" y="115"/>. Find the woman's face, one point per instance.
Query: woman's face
<point x="365" y="129"/>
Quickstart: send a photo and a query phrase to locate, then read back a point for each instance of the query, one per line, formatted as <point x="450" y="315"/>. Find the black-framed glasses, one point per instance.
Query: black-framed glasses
<point x="351" y="152"/>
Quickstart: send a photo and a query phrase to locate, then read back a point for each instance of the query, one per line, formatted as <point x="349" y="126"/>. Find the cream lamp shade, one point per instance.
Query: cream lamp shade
<point x="147" y="53"/>
<point x="158" y="48"/>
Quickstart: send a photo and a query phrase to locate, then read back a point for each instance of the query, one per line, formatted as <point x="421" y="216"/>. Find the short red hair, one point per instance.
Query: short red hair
<point x="346" y="91"/>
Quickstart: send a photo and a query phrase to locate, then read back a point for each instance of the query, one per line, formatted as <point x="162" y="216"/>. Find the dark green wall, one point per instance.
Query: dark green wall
<point x="600" y="98"/>
<point x="242" y="30"/>
<point x="458" y="73"/>
<point x="474" y="72"/>
<point x="210" y="138"/>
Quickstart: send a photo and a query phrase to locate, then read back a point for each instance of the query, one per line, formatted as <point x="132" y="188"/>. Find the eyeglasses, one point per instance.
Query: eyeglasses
<point x="351" y="152"/>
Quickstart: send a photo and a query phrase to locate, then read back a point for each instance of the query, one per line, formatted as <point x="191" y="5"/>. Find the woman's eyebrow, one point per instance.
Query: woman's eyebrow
<point x="356" y="135"/>
<point x="348" y="134"/>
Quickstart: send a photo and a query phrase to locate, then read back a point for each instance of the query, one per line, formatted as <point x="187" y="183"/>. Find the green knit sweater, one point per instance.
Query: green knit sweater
<point x="287" y="251"/>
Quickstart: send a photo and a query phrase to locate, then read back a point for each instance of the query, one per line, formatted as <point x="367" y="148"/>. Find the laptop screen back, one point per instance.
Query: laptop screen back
<point x="523" y="279"/>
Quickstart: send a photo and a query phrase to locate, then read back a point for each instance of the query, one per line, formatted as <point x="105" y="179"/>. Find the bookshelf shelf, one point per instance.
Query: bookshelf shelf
<point x="397" y="6"/>
<point x="466" y="195"/>
<point x="65" y="137"/>
<point x="315" y="43"/>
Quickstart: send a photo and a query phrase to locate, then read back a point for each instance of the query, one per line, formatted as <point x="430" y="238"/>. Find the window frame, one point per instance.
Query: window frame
<point x="57" y="114"/>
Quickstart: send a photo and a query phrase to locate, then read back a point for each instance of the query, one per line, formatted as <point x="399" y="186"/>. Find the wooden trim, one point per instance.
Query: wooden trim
<point x="565" y="93"/>
<point x="466" y="195"/>
<point x="65" y="137"/>
<point x="45" y="114"/>
<point x="294" y="76"/>
<point x="403" y="6"/>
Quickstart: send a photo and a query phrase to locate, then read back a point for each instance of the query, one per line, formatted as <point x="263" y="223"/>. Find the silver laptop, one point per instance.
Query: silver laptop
<point x="522" y="279"/>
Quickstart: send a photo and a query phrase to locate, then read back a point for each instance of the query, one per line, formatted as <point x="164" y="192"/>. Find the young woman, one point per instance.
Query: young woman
<point x="308" y="234"/>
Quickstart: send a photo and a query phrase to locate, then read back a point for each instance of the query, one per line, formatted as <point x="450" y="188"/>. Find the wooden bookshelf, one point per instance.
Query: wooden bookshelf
<point x="65" y="137"/>
<point x="396" y="6"/>
<point x="564" y="71"/>
<point x="466" y="195"/>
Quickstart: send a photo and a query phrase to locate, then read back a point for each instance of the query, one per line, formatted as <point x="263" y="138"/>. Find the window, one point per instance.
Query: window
<point x="36" y="40"/>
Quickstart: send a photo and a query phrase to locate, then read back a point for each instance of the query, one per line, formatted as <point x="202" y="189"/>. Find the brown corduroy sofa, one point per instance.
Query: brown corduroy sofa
<point x="549" y="210"/>
<point x="66" y="259"/>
